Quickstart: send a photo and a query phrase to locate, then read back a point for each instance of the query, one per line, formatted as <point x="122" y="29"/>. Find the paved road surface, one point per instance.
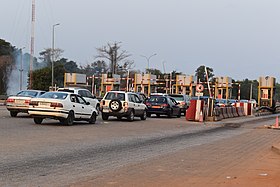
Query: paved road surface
<point x="119" y="153"/>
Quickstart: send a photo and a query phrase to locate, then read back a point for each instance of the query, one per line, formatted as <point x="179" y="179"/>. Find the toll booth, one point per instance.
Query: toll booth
<point x="145" y="83"/>
<point x="75" y="79"/>
<point x="185" y="84"/>
<point x="223" y="87"/>
<point x="266" y="91"/>
<point x="110" y="82"/>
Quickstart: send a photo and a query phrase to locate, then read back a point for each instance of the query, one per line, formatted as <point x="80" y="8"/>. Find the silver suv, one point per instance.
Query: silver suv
<point x="86" y="94"/>
<point x="123" y="104"/>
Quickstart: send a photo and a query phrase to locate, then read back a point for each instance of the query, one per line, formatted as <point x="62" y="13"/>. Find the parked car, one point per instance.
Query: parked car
<point x="233" y="102"/>
<point x="86" y="94"/>
<point x="63" y="106"/>
<point x="123" y="104"/>
<point x="222" y="103"/>
<point x="20" y="101"/>
<point x="183" y="100"/>
<point x="158" y="94"/>
<point x="163" y="105"/>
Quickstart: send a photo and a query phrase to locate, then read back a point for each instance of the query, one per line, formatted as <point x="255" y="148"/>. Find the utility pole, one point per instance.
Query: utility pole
<point x="21" y="69"/>
<point x="32" y="44"/>
<point x="53" y="54"/>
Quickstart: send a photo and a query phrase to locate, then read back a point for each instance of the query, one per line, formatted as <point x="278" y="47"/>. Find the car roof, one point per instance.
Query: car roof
<point x="71" y="88"/>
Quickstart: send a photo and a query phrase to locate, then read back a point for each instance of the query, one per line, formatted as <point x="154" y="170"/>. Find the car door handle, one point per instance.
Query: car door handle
<point x="83" y="107"/>
<point x="73" y="105"/>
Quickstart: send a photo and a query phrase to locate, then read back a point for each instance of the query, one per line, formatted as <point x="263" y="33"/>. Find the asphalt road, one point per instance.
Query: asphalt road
<point x="54" y="155"/>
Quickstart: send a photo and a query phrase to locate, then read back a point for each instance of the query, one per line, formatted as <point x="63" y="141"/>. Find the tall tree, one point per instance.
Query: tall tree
<point x="118" y="59"/>
<point x="46" y="55"/>
<point x="7" y="61"/>
<point x="201" y="74"/>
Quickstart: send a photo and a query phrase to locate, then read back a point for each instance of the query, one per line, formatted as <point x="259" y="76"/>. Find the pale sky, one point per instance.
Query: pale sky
<point x="237" y="38"/>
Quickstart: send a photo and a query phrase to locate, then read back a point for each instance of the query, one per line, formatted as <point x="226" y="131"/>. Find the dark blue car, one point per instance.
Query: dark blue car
<point x="162" y="105"/>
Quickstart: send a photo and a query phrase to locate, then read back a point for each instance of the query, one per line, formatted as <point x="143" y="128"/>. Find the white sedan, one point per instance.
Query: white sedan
<point x="63" y="106"/>
<point x="20" y="101"/>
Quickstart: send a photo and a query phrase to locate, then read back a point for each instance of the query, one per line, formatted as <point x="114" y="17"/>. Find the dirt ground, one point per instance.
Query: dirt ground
<point x="255" y="164"/>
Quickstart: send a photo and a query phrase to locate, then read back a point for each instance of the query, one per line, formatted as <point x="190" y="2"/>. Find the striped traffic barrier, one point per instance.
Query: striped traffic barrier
<point x="229" y="111"/>
<point x="234" y="112"/>
<point x="225" y="114"/>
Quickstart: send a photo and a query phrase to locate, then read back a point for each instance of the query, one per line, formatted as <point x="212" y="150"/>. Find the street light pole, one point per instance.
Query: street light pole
<point x="21" y="69"/>
<point x="52" y="53"/>
<point x="148" y="59"/>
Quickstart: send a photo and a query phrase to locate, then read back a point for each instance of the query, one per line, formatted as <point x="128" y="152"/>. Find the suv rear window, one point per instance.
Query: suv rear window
<point x="158" y="100"/>
<point x="115" y="95"/>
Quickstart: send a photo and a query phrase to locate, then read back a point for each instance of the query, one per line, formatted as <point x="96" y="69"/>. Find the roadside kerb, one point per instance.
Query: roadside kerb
<point x="235" y="123"/>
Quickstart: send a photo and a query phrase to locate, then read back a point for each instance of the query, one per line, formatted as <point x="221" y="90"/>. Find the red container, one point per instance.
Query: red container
<point x="190" y="113"/>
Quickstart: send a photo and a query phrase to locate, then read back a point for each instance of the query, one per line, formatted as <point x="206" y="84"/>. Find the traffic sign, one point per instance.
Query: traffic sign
<point x="199" y="88"/>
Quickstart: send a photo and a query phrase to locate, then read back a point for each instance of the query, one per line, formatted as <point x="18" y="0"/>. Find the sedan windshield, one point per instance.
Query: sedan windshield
<point x="54" y="95"/>
<point x="28" y="93"/>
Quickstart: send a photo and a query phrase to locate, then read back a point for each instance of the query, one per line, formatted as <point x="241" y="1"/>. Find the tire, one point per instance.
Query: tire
<point x="119" y="118"/>
<point x="115" y="105"/>
<point x="179" y="114"/>
<point x="98" y="108"/>
<point x="105" y="116"/>
<point x="13" y="113"/>
<point x="92" y="119"/>
<point x="130" y="116"/>
<point x="169" y="115"/>
<point x="38" y="120"/>
<point x="144" y="115"/>
<point x="149" y="114"/>
<point x="70" y="119"/>
<point x="158" y="115"/>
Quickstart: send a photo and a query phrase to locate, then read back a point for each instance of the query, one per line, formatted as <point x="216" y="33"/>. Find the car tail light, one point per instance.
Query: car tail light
<point x="27" y="101"/>
<point x="56" y="105"/>
<point x="33" y="103"/>
<point x="125" y="104"/>
<point x="164" y="105"/>
<point x="102" y="103"/>
<point x="10" y="100"/>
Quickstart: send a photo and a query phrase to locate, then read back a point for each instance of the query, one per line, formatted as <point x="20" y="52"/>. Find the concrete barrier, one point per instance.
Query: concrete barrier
<point x="229" y="111"/>
<point x="234" y="112"/>
<point x="225" y="114"/>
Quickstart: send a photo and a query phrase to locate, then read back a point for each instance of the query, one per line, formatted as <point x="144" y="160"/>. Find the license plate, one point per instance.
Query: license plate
<point x="105" y="110"/>
<point x="19" y="101"/>
<point x="44" y="104"/>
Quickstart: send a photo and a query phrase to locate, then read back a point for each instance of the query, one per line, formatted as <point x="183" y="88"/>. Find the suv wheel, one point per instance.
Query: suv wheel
<point x="105" y="116"/>
<point x="130" y="116"/>
<point x="115" y="105"/>
<point x="98" y="108"/>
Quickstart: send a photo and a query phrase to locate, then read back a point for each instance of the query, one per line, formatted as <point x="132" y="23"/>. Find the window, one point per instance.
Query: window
<point x="131" y="98"/>
<point x="137" y="99"/>
<point x="81" y="100"/>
